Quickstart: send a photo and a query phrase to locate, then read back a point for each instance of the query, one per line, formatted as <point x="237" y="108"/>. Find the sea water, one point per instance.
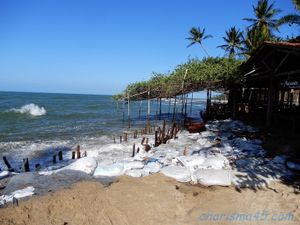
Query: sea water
<point x="34" y="125"/>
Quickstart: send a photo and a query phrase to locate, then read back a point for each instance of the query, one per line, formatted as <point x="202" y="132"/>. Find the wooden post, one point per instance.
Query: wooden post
<point x="174" y="109"/>
<point x="191" y="107"/>
<point x="291" y="99"/>
<point x="149" y="101"/>
<point x="78" y="152"/>
<point x="270" y="103"/>
<point x="60" y="155"/>
<point x="133" y="150"/>
<point x="163" y="132"/>
<point x="129" y="111"/>
<point x="25" y="166"/>
<point x="73" y="154"/>
<point x="54" y="159"/>
<point x="182" y="90"/>
<point x="143" y="140"/>
<point x="207" y="101"/>
<point x="120" y="139"/>
<point x="140" y="109"/>
<point x="9" y="168"/>
<point x="160" y="108"/>
<point x="155" y="141"/>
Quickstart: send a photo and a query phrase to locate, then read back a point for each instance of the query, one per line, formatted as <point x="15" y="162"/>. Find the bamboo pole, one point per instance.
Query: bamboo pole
<point x="128" y="110"/>
<point x="174" y="109"/>
<point x="191" y="107"/>
<point x="182" y="90"/>
<point x="160" y="108"/>
<point x="149" y="109"/>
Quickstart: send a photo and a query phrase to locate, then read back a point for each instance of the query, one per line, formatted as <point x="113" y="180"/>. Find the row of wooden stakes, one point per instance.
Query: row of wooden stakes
<point x="25" y="164"/>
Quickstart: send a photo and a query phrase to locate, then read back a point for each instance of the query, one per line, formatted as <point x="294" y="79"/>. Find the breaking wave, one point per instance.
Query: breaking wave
<point x="30" y="109"/>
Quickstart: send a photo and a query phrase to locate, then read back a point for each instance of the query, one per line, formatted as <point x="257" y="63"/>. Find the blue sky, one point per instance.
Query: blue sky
<point x="98" y="47"/>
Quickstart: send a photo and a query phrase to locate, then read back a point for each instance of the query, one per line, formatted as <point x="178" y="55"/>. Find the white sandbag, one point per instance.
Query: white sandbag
<point x="152" y="167"/>
<point x="128" y="165"/>
<point x="110" y="171"/>
<point x="212" y="177"/>
<point x="134" y="173"/>
<point x="22" y="193"/>
<point x="177" y="172"/>
<point x="215" y="162"/>
<point x="4" y="174"/>
<point x="191" y="162"/>
<point x="86" y="165"/>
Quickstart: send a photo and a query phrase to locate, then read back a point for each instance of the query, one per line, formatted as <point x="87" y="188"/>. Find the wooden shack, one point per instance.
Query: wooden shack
<point x="272" y="78"/>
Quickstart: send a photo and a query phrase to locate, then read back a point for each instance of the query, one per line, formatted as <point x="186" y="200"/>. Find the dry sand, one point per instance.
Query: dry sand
<point x="156" y="199"/>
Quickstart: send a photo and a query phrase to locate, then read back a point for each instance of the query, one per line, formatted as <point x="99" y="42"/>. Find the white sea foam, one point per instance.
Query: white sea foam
<point x="32" y="109"/>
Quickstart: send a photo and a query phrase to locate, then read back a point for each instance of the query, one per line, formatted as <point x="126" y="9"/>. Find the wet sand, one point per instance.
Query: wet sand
<point x="157" y="199"/>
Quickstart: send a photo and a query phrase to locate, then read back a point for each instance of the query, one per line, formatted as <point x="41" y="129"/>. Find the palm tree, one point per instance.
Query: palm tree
<point x="234" y="40"/>
<point x="297" y="4"/>
<point x="291" y="18"/>
<point x="197" y="36"/>
<point x="252" y="41"/>
<point x="264" y="20"/>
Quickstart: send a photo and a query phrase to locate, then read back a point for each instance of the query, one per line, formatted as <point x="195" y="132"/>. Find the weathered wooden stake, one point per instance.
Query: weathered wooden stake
<point x="155" y="141"/>
<point x="25" y="166"/>
<point x="73" y="154"/>
<point x="120" y="139"/>
<point x="60" y="155"/>
<point x="7" y="164"/>
<point x="143" y="140"/>
<point x="54" y="159"/>
<point x="133" y="150"/>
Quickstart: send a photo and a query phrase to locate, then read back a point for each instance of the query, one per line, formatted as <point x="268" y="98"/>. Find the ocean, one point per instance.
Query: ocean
<point x="33" y="125"/>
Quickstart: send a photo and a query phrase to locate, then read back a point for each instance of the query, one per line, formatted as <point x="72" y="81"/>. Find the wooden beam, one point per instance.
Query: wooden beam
<point x="288" y="73"/>
<point x="280" y="64"/>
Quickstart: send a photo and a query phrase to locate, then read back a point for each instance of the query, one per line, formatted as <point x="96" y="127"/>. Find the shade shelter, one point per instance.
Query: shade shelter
<point x="272" y="78"/>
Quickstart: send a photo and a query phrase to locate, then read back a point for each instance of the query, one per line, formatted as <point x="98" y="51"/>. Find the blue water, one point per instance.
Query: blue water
<point x="33" y="123"/>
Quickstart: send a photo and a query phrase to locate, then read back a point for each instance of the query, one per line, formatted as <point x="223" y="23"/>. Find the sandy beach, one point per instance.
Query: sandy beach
<point x="189" y="180"/>
<point x="157" y="199"/>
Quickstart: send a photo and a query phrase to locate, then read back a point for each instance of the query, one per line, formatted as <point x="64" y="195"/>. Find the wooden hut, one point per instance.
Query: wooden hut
<point x="272" y="76"/>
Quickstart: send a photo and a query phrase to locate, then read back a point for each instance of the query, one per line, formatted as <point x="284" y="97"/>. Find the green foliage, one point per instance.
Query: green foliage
<point x="213" y="72"/>
<point x="264" y="21"/>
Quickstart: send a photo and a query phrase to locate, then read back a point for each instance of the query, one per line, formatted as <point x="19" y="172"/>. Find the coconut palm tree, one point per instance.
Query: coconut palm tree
<point x="297" y="4"/>
<point x="291" y="18"/>
<point x="234" y="41"/>
<point x="197" y="36"/>
<point x="264" y="21"/>
<point x="251" y="42"/>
